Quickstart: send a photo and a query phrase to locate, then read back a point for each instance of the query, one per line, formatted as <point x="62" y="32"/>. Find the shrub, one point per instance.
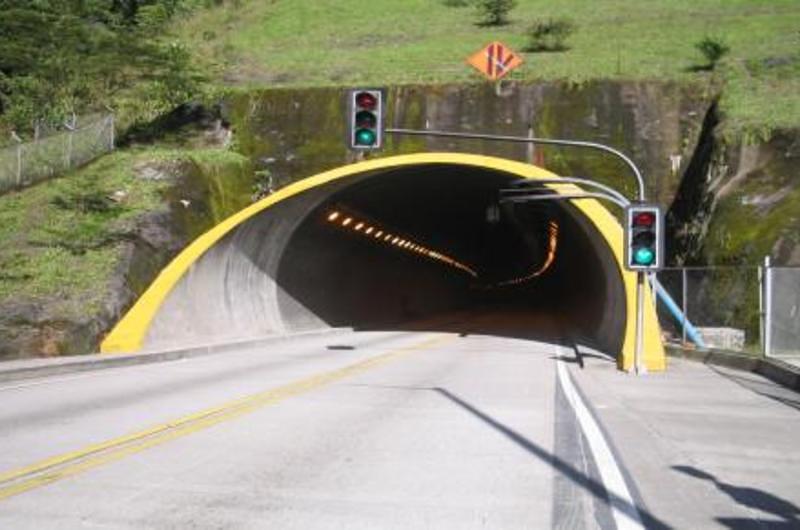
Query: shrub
<point x="549" y="35"/>
<point x="455" y="3"/>
<point x="713" y="50"/>
<point x="494" y="12"/>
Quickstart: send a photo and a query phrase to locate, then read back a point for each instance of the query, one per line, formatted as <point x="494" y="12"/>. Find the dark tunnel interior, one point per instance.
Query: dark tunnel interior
<point x="431" y="247"/>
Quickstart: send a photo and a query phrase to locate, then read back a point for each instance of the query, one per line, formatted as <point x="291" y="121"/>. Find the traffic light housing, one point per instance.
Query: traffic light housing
<point x="365" y="119"/>
<point x="644" y="237"/>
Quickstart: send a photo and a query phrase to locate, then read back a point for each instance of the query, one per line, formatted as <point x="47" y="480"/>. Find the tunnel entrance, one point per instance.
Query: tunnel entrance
<point x="422" y="246"/>
<point x="430" y="247"/>
<point x="407" y="242"/>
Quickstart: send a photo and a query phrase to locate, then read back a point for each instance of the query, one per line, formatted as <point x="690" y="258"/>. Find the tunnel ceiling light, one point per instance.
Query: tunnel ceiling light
<point x="552" y="247"/>
<point x="381" y="236"/>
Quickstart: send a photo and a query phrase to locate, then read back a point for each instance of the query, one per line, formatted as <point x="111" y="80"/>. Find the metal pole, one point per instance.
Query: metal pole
<point x="68" y="155"/>
<point x="638" y="354"/>
<point x="767" y="306"/>
<point x="761" y="342"/>
<point x="684" y="305"/>
<point x="111" y="132"/>
<point x="543" y="141"/>
<point x="565" y="196"/>
<point x="523" y="186"/>
<point x="112" y="123"/>
<point x="19" y="165"/>
<point x="69" y="149"/>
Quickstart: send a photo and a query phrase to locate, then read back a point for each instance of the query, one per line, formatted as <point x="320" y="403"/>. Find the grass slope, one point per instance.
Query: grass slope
<point x="348" y="42"/>
<point x="60" y="240"/>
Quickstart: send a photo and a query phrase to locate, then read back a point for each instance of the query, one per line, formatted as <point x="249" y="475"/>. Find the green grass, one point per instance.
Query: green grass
<point x="336" y="42"/>
<point x="62" y="239"/>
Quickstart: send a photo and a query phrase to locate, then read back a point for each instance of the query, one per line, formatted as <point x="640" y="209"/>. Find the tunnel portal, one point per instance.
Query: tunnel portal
<point x="423" y="245"/>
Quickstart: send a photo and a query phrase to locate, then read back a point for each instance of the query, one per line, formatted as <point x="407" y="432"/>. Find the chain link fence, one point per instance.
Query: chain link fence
<point x="721" y="305"/>
<point x="28" y="163"/>
<point x="752" y="310"/>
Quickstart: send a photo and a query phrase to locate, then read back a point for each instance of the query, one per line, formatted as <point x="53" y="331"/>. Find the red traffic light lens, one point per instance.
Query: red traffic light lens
<point x="644" y="219"/>
<point x="366" y="100"/>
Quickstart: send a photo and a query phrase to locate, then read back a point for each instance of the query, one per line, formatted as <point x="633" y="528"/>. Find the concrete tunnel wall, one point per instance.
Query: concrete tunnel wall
<point x="280" y="269"/>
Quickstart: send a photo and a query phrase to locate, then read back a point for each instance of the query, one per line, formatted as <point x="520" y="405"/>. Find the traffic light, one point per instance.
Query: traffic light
<point x="365" y="119"/>
<point x="644" y="237"/>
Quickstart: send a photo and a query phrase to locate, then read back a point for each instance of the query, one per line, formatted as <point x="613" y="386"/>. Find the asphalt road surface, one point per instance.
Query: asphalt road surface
<point x="374" y="430"/>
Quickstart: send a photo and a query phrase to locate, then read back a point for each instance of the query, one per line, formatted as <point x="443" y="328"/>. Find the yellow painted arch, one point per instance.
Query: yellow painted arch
<point x="129" y="334"/>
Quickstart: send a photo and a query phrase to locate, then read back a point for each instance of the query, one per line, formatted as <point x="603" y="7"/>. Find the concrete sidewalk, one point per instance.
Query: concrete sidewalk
<point x="707" y="446"/>
<point x="43" y="367"/>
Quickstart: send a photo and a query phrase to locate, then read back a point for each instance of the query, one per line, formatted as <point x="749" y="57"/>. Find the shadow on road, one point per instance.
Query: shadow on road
<point x="578" y="477"/>
<point x="752" y="498"/>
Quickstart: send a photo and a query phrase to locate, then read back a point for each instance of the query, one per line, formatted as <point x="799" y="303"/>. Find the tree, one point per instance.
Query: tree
<point x="65" y="56"/>
<point x="549" y="36"/>
<point x="494" y="12"/>
<point x="713" y="50"/>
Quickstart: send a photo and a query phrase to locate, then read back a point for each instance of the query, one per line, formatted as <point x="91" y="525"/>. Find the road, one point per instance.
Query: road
<point x="396" y="429"/>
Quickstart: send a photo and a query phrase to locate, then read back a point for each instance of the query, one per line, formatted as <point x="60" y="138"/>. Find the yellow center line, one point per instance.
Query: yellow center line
<point x="68" y="464"/>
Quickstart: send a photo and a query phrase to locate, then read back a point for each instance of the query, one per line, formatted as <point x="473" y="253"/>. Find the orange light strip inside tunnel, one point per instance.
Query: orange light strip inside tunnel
<point x="552" y="247"/>
<point x="380" y="234"/>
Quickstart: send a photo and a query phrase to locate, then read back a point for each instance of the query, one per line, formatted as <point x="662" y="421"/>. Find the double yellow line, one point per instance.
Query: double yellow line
<point x="66" y="465"/>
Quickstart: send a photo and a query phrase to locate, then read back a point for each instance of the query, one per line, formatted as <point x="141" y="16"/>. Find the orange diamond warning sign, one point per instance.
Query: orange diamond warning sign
<point x="495" y="60"/>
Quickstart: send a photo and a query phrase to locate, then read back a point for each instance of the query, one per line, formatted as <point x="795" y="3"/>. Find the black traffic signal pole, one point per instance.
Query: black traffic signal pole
<point x="639" y="367"/>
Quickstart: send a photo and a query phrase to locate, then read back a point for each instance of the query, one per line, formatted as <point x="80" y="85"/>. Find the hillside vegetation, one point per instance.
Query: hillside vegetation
<point x="332" y="42"/>
<point x="143" y="57"/>
<point x="65" y="57"/>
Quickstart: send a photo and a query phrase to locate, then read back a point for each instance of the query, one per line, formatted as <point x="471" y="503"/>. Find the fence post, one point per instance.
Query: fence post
<point x="19" y="165"/>
<point x="111" y="132"/>
<point x="71" y="128"/>
<point x="111" y="122"/>
<point x="16" y="138"/>
<point x="68" y="152"/>
<point x="767" y="307"/>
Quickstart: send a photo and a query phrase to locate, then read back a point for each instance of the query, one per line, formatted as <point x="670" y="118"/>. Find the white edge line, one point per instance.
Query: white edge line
<point x="623" y="508"/>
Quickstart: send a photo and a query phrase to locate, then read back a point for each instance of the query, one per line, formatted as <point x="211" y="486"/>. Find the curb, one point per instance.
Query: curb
<point x="777" y="371"/>
<point x="34" y="368"/>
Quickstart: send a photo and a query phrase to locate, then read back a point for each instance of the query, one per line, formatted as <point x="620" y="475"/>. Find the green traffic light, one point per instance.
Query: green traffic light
<point x="365" y="137"/>
<point x="644" y="256"/>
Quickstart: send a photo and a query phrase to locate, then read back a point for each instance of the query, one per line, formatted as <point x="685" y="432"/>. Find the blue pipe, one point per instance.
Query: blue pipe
<point x="676" y="312"/>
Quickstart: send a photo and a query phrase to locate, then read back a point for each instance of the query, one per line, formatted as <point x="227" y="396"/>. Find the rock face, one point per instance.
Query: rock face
<point x="39" y="327"/>
<point x="294" y="134"/>
<point x="751" y="205"/>
<point x="198" y="194"/>
<point x="739" y="202"/>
